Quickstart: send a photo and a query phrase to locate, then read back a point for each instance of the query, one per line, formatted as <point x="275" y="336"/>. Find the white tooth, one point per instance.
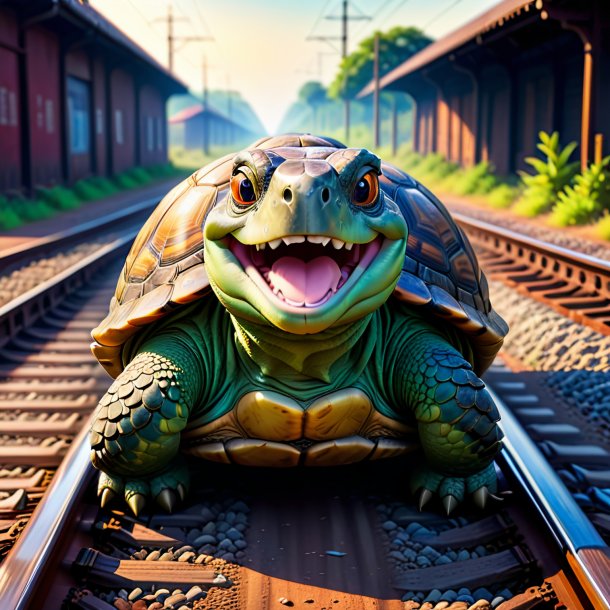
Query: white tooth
<point x="337" y="244"/>
<point x="348" y="245"/>
<point x="316" y="239"/>
<point x="293" y="239"/>
<point x="325" y="240"/>
<point x="273" y="244"/>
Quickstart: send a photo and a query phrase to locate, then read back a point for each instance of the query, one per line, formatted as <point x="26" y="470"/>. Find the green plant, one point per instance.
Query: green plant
<point x="552" y="176"/>
<point x="602" y="228"/>
<point x="31" y="211"/>
<point x="501" y="196"/>
<point x="8" y="217"/>
<point x="478" y="179"/>
<point x="86" y="190"/>
<point x="60" y="198"/>
<point x="139" y="175"/>
<point x="104" y="185"/>
<point x="584" y="201"/>
<point x="125" y="181"/>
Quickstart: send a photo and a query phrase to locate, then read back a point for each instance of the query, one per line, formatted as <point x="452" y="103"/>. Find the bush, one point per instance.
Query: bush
<point x="501" y="196"/>
<point x="104" y="185"/>
<point x="139" y="175"/>
<point x="8" y="217"/>
<point x="603" y="227"/>
<point x="478" y="179"/>
<point x="584" y="201"/>
<point x="31" y="211"/>
<point x="125" y="181"/>
<point x="60" y="198"/>
<point x="86" y="190"/>
<point x="542" y="188"/>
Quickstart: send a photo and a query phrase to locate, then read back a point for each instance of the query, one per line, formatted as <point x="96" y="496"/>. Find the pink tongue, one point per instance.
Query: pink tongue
<point x="304" y="282"/>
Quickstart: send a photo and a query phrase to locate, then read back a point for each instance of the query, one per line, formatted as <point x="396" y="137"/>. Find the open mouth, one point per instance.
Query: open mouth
<point x="303" y="270"/>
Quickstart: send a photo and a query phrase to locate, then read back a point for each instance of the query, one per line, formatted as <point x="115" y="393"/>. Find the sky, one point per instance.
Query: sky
<point x="260" y="48"/>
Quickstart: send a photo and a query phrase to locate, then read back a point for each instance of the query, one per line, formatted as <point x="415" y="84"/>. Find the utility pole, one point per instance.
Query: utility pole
<point x="172" y="39"/>
<point x="376" y="92"/>
<point x="345" y="18"/>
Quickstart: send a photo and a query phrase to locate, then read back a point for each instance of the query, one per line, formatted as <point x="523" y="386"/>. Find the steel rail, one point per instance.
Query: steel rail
<point x="24" y="310"/>
<point x="577" y="285"/>
<point x="22" y="570"/>
<point x="585" y="262"/>
<point x="580" y="543"/>
<point x="68" y="237"/>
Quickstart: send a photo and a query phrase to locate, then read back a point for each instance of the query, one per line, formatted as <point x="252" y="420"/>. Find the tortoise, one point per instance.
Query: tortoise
<point x="299" y="303"/>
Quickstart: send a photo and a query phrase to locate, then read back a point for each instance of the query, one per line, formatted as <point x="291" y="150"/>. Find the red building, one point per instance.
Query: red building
<point x="485" y="91"/>
<point x="77" y="96"/>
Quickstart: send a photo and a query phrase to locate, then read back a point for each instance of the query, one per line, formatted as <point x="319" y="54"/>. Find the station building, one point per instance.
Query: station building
<point x="485" y="91"/>
<point x="77" y="96"/>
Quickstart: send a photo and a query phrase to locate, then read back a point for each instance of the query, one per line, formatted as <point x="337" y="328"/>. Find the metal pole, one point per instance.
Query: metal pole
<point x="376" y="92"/>
<point x="344" y="20"/>
<point x="170" y="38"/>
<point x="394" y="125"/>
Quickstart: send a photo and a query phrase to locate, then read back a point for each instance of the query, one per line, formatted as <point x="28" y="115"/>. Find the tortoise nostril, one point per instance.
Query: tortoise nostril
<point x="325" y="195"/>
<point x="287" y="195"/>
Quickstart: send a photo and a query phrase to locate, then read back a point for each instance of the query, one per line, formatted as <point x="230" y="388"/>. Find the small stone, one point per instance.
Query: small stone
<point x="228" y="556"/>
<point x="220" y="579"/>
<point x="285" y="602"/>
<point x="183" y="549"/>
<point x="233" y="534"/>
<point x="123" y="593"/>
<point x="207" y="514"/>
<point x="162" y="594"/>
<point x="175" y="600"/>
<point x="241" y="544"/>
<point x="167" y="556"/>
<point x="153" y="556"/>
<point x="222" y="526"/>
<point x="240" y="507"/>
<point x="195" y="593"/>
<point x="155" y="606"/>
<point x="186" y="557"/>
<point x="139" y="605"/>
<point x="209" y="528"/>
<point x="389" y="526"/>
<point x="135" y="594"/>
<point x="204" y="539"/>
<point x="121" y="604"/>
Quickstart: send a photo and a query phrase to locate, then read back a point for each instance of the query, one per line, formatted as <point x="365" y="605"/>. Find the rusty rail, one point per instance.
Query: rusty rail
<point x="575" y="284"/>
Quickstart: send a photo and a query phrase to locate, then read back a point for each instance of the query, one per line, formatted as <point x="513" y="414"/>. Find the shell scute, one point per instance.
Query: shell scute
<point x="165" y="267"/>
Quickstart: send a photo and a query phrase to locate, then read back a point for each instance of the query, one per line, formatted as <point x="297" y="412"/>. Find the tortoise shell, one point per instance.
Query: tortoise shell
<point x="165" y="267"/>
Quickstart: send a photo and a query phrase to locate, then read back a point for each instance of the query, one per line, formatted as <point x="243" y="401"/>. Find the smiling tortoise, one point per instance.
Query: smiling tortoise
<point x="299" y="303"/>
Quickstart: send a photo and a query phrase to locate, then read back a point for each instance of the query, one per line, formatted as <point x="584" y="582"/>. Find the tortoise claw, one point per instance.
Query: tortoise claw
<point x="106" y="496"/>
<point x="424" y="497"/>
<point x="167" y="500"/>
<point x="181" y="491"/>
<point x="136" y="502"/>
<point x="449" y="504"/>
<point x="480" y="497"/>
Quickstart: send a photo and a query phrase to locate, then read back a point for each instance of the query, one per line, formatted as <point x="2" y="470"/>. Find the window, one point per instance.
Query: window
<point x="99" y="122"/>
<point x="49" y="116"/>
<point x="150" y="133"/>
<point x="12" y="108"/>
<point x="118" y="126"/>
<point x="3" y="106"/>
<point x="78" y="116"/>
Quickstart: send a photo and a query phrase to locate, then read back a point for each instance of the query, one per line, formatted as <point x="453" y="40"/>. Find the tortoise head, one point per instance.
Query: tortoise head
<point x="304" y="243"/>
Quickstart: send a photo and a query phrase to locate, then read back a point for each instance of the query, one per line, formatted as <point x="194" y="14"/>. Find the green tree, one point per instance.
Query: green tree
<point x="314" y="95"/>
<point x="356" y="70"/>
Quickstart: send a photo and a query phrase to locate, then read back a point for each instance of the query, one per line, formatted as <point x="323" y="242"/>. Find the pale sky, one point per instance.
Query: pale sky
<point x="260" y="47"/>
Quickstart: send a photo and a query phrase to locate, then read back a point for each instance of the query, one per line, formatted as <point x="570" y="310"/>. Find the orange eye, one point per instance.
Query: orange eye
<point x="242" y="189"/>
<point x="366" y="190"/>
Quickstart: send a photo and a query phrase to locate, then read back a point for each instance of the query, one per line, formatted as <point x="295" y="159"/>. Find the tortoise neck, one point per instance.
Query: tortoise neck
<point x="279" y="353"/>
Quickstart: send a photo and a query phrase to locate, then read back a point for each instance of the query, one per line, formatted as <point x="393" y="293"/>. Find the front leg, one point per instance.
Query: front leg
<point x="457" y="422"/>
<point x="135" y="435"/>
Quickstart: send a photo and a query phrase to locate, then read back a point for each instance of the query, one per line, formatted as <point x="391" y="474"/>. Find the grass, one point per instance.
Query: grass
<point x="53" y="200"/>
<point x="602" y="228"/>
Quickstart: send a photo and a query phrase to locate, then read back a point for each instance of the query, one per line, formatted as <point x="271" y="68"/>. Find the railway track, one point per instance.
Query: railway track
<point x="577" y="285"/>
<point x="344" y="538"/>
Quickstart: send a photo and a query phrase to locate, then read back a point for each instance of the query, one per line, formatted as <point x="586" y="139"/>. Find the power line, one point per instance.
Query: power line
<point x="441" y="14"/>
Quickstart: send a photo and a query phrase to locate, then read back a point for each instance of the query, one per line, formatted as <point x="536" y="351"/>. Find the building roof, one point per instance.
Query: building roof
<point x="82" y="15"/>
<point x="489" y="20"/>
<point x="195" y="110"/>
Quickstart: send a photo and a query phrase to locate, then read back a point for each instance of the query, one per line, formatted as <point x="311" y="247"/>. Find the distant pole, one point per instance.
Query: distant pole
<point x="204" y="77"/>
<point x="170" y="38"/>
<point x="394" y="124"/>
<point x="376" y="92"/>
<point x="345" y="20"/>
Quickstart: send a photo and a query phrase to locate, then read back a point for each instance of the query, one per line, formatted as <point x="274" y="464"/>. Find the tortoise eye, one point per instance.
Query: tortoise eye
<point x="366" y="190"/>
<point x="242" y="189"/>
